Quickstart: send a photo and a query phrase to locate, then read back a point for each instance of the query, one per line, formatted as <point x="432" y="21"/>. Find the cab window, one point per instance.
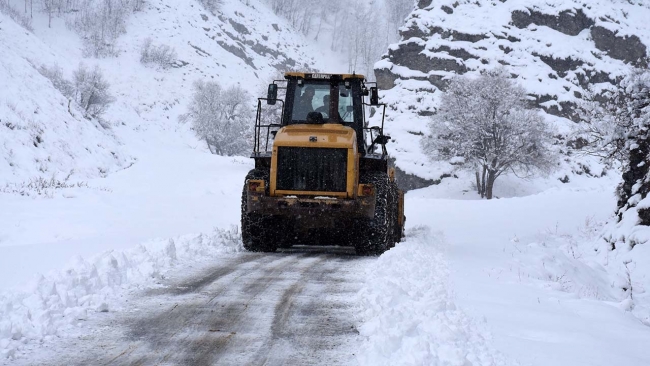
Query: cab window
<point x="316" y="97"/>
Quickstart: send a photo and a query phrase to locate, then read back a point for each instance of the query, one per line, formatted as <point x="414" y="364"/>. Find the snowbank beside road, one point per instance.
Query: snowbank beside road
<point x="62" y="300"/>
<point x="410" y="317"/>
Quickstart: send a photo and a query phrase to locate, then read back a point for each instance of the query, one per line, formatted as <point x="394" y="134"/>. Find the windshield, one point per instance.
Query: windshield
<point x="316" y="97"/>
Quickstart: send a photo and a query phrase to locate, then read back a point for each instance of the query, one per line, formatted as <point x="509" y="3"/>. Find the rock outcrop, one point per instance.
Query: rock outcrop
<point x="557" y="50"/>
<point x="560" y="51"/>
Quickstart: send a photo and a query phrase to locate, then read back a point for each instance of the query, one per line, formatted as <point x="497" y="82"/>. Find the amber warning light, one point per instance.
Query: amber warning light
<point x="256" y="186"/>
<point x="366" y="189"/>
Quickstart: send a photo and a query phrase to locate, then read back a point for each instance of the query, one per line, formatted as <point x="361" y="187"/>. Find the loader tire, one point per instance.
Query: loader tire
<point x="259" y="232"/>
<point x="376" y="235"/>
<point x="394" y="213"/>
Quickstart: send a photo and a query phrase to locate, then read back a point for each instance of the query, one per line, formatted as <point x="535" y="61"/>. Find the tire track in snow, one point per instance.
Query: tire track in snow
<point x="282" y="308"/>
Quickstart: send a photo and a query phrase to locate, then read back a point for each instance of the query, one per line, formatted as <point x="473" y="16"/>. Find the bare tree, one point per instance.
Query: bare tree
<point x="398" y="10"/>
<point x="161" y="55"/>
<point x="607" y="121"/>
<point x="622" y="134"/>
<point x="22" y="19"/>
<point x="49" y="6"/>
<point x="55" y="75"/>
<point x="484" y="124"/>
<point x="222" y="118"/>
<point x="91" y="91"/>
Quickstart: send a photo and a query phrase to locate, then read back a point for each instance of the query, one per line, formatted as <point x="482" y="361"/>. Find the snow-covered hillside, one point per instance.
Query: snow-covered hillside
<point x="559" y="51"/>
<point x="40" y="133"/>
<point x="43" y="137"/>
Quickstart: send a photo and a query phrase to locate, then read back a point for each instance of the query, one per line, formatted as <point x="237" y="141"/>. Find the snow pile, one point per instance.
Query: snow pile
<point x="41" y="136"/>
<point x="624" y="248"/>
<point x="410" y="317"/>
<point x="559" y="51"/>
<point x="581" y="262"/>
<point x="566" y="261"/>
<point x="60" y="300"/>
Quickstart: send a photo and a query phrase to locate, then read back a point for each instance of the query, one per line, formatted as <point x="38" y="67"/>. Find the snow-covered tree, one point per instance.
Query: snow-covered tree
<point x="608" y="120"/>
<point x="633" y="133"/>
<point x="161" y="55"/>
<point x="55" y="74"/>
<point x="484" y="124"/>
<point x="91" y="90"/>
<point x="222" y="118"/>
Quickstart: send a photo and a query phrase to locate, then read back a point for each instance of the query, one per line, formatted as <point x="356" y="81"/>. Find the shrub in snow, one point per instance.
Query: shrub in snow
<point x="610" y="116"/>
<point x="100" y="22"/>
<point x="41" y="187"/>
<point x="632" y="121"/>
<point x="161" y="55"/>
<point x="91" y="91"/>
<point x="483" y="124"/>
<point x="55" y="74"/>
<point x="625" y="249"/>
<point x="222" y="118"/>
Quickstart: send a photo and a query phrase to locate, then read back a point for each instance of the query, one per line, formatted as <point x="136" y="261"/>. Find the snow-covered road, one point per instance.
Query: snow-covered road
<point x="294" y="307"/>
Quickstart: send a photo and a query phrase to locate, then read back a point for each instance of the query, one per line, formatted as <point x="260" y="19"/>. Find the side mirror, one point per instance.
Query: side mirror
<point x="272" y="94"/>
<point x="382" y="139"/>
<point x="374" y="96"/>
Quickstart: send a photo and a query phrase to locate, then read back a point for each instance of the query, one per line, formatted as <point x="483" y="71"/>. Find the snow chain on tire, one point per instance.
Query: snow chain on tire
<point x="377" y="235"/>
<point x="259" y="232"/>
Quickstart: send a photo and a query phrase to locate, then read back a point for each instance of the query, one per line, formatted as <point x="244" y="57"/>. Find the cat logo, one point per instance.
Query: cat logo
<point x="321" y="76"/>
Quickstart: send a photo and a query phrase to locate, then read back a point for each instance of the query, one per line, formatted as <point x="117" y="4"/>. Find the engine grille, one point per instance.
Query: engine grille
<point x="312" y="169"/>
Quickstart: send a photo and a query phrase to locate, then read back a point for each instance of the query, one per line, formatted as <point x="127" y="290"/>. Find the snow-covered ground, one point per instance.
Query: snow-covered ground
<point x="528" y="268"/>
<point x="507" y="281"/>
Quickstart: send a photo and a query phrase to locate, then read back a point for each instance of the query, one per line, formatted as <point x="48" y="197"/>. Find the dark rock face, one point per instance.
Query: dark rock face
<point x="410" y="55"/>
<point x="239" y="52"/>
<point x="415" y="32"/>
<point x="569" y="71"/>
<point x="628" y="48"/>
<point x="458" y="53"/>
<point x="240" y="28"/>
<point x="635" y="173"/>
<point x="385" y="79"/>
<point x="408" y="182"/>
<point x="438" y="81"/>
<point x="424" y="3"/>
<point x="561" y="66"/>
<point x="567" y="22"/>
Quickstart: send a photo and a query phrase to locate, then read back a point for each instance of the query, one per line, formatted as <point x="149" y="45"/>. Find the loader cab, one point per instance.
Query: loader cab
<point x="325" y="98"/>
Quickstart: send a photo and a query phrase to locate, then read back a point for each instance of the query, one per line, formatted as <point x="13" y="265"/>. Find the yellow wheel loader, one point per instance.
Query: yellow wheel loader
<point x="322" y="176"/>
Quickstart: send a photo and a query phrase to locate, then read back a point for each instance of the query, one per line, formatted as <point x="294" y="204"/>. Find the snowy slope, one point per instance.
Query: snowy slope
<point x="558" y="51"/>
<point x="39" y="134"/>
<point x="244" y="45"/>
<point x="241" y="44"/>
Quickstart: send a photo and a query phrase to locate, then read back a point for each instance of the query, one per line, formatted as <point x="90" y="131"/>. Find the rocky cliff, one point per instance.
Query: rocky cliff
<point x="559" y="50"/>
